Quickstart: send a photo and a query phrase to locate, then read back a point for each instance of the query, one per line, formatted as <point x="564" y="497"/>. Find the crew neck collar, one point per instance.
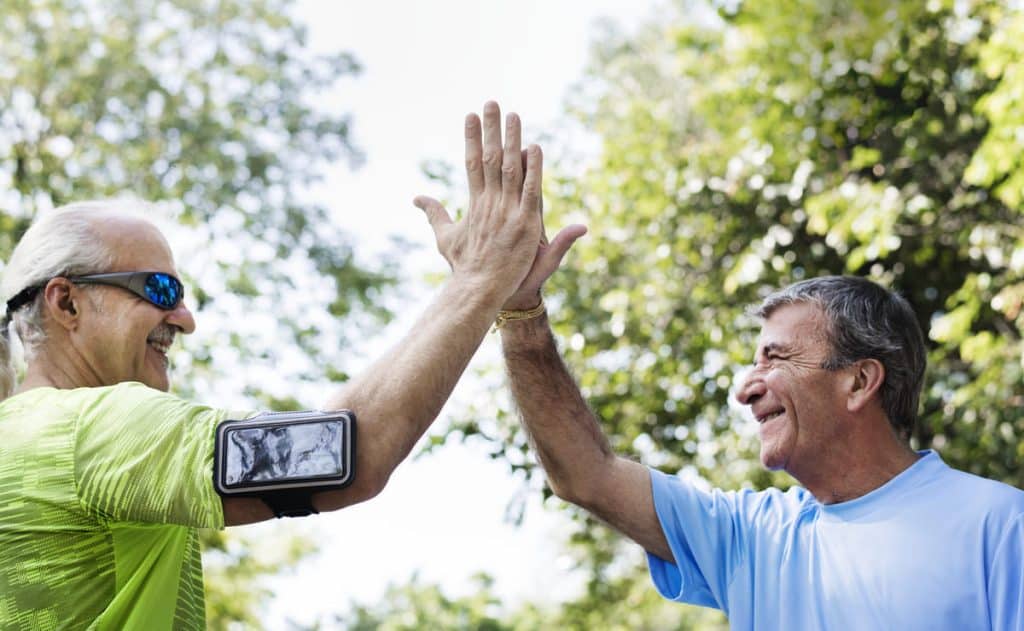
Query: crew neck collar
<point x="926" y="467"/>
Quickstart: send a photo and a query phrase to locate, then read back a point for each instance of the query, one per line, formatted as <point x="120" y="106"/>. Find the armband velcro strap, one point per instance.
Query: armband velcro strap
<point x="286" y="504"/>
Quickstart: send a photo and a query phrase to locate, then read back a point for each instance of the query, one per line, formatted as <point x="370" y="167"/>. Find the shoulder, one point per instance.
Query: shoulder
<point x="134" y="410"/>
<point x="131" y="396"/>
<point x="770" y="506"/>
<point x="981" y="496"/>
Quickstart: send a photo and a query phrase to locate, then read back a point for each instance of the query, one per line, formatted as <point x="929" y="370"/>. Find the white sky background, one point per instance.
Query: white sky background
<point x="425" y="65"/>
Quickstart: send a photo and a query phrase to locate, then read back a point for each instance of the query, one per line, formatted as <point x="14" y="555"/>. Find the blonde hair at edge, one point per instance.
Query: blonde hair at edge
<point x="62" y="241"/>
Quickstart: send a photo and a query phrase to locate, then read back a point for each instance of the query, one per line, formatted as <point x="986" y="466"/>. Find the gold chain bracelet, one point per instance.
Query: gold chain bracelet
<point x="509" y="315"/>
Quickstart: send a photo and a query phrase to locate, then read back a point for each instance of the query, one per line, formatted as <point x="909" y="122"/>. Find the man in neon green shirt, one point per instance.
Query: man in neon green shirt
<point x="104" y="476"/>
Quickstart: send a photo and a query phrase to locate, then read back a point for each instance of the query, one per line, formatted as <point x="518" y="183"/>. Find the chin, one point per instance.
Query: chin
<point x="772" y="458"/>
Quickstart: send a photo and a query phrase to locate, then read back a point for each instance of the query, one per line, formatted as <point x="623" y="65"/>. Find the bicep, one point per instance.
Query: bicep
<point x="624" y="499"/>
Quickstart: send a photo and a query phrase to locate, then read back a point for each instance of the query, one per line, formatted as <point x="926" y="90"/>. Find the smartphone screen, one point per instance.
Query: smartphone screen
<point x="296" y="451"/>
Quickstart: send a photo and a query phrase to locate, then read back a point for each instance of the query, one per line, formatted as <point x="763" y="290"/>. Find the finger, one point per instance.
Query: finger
<point x="474" y="156"/>
<point x="436" y="214"/>
<point x="543" y="230"/>
<point x="532" y="181"/>
<point x="540" y="208"/>
<point x="492" y="147"/>
<point x="511" y="163"/>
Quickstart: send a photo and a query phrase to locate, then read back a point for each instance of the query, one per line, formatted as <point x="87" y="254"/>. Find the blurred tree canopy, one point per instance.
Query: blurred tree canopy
<point x="760" y="142"/>
<point x="208" y="109"/>
<point x="417" y="605"/>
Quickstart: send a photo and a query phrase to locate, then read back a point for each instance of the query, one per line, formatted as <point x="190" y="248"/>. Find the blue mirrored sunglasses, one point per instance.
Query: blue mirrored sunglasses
<point x="163" y="290"/>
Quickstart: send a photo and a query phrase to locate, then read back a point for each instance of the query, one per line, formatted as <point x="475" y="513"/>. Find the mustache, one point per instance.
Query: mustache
<point x="163" y="334"/>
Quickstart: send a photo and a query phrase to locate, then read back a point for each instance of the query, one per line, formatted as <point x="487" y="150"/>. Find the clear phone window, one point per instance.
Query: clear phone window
<point x="276" y="454"/>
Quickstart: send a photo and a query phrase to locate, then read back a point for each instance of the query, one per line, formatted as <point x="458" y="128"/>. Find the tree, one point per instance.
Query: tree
<point x="769" y="141"/>
<point x="416" y="605"/>
<point x="204" y="107"/>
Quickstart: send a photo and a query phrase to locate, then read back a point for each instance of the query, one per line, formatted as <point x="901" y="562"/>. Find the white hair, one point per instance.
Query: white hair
<point x="60" y="242"/>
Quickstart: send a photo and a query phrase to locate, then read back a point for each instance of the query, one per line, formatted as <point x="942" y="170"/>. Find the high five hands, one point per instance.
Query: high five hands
<point x="501" y="240"/>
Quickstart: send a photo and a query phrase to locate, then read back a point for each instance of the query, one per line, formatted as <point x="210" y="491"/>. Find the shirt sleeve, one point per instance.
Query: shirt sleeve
<point x="142" y="455"/>
<point x="711" y="534"/>
<point x="1006" y="579"/>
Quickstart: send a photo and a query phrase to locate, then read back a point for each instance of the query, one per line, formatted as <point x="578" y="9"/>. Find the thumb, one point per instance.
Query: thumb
<point x="436" y="214"/>
<point x="558" y="246"/>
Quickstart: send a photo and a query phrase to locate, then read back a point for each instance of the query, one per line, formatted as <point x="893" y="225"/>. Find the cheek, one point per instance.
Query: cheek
<point x="779" y="385"/>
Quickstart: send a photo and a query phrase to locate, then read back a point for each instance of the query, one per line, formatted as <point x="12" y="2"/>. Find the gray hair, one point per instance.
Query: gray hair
<point x="62" y="241"/>
<point x="866" y="321"/>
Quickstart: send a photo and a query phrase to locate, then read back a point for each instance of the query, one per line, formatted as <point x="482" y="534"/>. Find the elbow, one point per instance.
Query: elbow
<point x="572" y="492"/>
<point x="562" y="491"/>
<point x="585" y="486"/>
<point x="364" y="487"/>
<point x="369" y="484"/>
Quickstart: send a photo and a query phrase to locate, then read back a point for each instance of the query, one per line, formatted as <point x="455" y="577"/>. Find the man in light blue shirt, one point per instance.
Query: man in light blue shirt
<point x="879" y="537"/>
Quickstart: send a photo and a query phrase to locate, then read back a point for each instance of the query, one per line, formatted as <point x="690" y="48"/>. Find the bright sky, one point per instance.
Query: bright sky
<point x="426" y="64"/>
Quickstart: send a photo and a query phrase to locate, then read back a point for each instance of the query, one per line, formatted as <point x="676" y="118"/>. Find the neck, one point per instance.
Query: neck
<point x="856" y="465"/>
<point x="45" y="371"/>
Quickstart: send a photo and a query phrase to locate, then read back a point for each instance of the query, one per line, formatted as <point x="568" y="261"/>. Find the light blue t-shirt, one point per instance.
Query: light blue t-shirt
<point x="933" y="549"/>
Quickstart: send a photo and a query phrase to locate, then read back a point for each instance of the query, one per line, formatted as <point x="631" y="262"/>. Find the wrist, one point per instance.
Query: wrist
<point x="516" y="315"/>
<point x="478" y="289"/>
<point x="522" y="302"/>
<point x="526" y="333"/>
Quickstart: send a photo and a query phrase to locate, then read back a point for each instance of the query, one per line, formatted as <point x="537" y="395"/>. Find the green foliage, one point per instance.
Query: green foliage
<point x="802" y="139"/>
<point x="416" y="606"/>
<point x="769" y="141"/>
<point x="207" y="108"/>
<point x="234" y="566"/>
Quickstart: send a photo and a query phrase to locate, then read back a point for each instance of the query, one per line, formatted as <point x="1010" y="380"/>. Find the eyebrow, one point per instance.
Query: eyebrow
<point x="773" y="347"/>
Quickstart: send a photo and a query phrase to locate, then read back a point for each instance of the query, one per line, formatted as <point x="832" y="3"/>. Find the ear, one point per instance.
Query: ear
<point x="868" y="375"/>
<point x="61" y="301"/>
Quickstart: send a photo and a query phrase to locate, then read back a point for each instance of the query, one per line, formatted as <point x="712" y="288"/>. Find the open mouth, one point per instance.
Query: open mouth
<point x="161" y="340"/>
<point x="769" y="416"/>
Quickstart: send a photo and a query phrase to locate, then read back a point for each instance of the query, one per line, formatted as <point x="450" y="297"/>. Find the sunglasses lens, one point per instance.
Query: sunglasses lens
<point x="164" y="290"/>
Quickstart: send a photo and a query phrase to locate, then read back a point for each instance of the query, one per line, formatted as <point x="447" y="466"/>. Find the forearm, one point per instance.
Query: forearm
<point x="570" y="445"/>
<point x="563" y="430"/>
<point x="397" y="398"/>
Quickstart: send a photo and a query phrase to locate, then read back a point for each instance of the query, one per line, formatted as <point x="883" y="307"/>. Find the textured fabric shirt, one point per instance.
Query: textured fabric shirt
<point x="101" y="490"/>
<point x="933" y="549"/>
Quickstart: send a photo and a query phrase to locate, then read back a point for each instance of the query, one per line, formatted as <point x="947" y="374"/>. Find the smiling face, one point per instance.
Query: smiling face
<point x="124" y="337"/>
<point x="795" y="401"/>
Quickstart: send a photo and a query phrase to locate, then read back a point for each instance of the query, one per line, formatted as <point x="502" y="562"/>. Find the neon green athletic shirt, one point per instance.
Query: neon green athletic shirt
<point x="101" y="490"/>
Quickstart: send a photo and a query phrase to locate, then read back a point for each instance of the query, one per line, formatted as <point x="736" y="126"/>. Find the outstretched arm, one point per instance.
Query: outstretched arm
<point x="570" y="445"/>
<point x="490" y="251"/>
<point x="566" y="435"/>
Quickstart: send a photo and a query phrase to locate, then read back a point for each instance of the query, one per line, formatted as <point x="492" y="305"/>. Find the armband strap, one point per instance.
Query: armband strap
<point x="289" y="503"/>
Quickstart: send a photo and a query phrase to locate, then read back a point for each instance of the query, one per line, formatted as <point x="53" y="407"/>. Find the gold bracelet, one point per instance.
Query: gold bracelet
<point x="511" y="314"/>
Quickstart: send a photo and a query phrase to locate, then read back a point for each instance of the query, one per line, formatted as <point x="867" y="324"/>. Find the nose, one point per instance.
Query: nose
<point x="751" y="387"/>
<point x="182" y="318"/>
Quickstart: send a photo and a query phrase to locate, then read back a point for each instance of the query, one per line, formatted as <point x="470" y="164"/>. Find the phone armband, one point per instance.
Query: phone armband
<point x="284" y="457"/>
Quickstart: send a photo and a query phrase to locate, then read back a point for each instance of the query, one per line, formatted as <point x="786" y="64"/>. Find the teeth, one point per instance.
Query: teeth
<point x="769" y="417"/>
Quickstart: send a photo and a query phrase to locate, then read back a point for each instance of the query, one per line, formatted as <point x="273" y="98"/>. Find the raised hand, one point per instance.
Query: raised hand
<point x="546" y="260"/>
<point x="497" y="240"/>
